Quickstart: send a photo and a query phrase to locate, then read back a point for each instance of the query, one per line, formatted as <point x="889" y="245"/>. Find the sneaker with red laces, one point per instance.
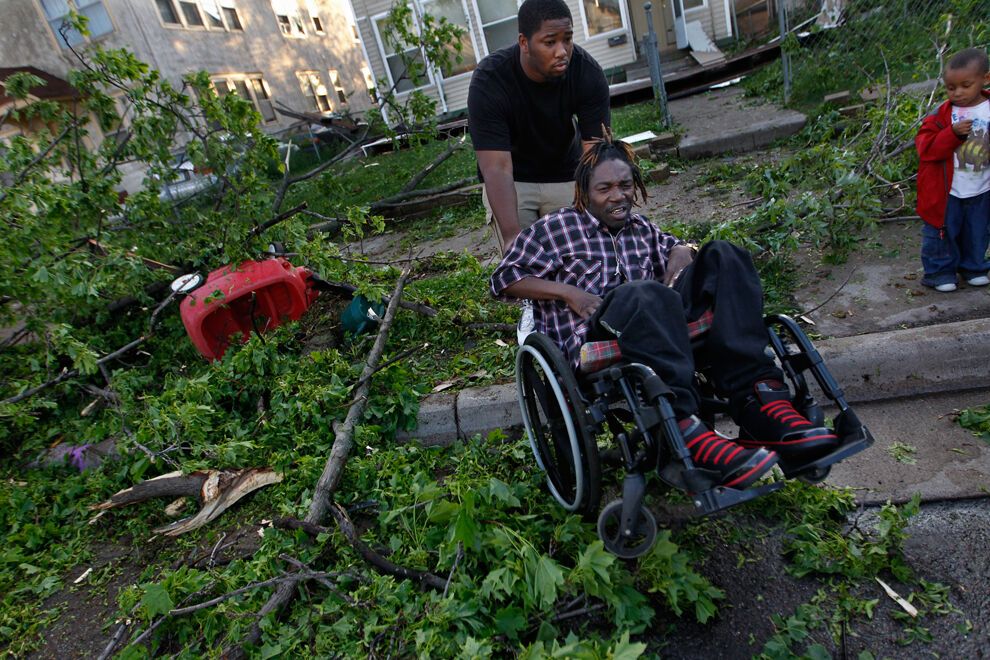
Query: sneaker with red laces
<point x="737" y="466"/>
<point x="769" y="419"/>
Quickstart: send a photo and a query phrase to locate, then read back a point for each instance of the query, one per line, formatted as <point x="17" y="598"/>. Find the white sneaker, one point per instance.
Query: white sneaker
<point x="946" y="288"/>
<point x="979" y="280"/>
<point x="526" y="325"/>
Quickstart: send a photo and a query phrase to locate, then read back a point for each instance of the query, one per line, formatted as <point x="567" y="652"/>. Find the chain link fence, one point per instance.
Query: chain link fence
<point x="851" y="45"/>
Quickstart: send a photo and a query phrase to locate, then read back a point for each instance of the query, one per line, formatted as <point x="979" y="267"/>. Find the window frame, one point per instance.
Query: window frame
<point x="337" y="87"/>
<point x="73" y="5"/>
<point x="206" y="26"/>
<point x="420" y="11"/>
<point x="314" y="93"/>
<point x="703" y="5"/>
<point x="482" y="25"/>
<point x="428" y="74"/>
<point x="295" y="21"/>
<point x="622" y="29"/>
<point x="227" y="79"/>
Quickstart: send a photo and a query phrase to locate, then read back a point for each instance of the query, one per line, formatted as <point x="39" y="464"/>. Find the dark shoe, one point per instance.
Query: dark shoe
<point x="768" y="419"/>
<point x="738" y="467"/>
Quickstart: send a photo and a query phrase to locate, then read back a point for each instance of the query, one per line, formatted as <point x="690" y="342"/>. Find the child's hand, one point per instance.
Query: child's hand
<point x="962" y="128"/>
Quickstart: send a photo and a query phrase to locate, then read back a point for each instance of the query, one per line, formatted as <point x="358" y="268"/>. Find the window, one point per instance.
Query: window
<point x="251" y="87"/>
<point x="167" y="11"/>
<point x="498" y="22"/>
<point x="453" y="11"/>
<point x="190" y="11"/>
<point x="56" y="11"/>
<point x="602" y="16"/>
<point x="313" y="88"/>
<point x="262" y="100"/>
<point x="314" y="16"/>
<point x="211" y="14"/>
<point x="289" y="18"/>
<point x="337" y="87"/>
<point x="398" y="75"/>
<point x="693" y="4"/>
<point x="233" y="21"/>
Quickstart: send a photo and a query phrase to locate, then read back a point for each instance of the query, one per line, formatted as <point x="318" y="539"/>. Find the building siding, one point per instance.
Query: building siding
<point x="260" y="48"/>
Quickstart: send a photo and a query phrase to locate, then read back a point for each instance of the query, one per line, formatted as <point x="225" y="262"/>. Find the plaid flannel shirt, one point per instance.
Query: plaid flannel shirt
<point x="573" y="247"/>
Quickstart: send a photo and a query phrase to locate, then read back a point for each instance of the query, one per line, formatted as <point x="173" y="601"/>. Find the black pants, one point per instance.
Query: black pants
<point x="649" y="320"/>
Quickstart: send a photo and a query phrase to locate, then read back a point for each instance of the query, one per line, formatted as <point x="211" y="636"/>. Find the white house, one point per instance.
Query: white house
<point x="611" y="30"/>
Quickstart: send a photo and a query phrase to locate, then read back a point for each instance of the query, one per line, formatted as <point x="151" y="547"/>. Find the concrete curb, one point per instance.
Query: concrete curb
<point x="755" y="136"/>
<point x="873" y="367"/>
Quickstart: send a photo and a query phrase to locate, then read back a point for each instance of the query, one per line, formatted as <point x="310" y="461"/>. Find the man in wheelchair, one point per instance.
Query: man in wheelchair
<point x="598" y="271"/>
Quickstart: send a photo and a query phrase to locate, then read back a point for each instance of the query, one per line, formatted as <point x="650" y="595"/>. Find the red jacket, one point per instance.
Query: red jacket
<point x="936" y="144"/>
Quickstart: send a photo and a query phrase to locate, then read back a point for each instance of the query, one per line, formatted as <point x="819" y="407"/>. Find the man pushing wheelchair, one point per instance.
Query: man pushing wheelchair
<point x="598" y="272"/>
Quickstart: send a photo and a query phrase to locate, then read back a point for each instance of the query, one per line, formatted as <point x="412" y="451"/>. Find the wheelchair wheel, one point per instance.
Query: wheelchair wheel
<point x="623" y="547"/>
<point x="557" y="426"/>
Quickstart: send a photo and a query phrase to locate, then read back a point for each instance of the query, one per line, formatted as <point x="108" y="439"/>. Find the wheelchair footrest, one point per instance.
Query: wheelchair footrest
<point x="818" y="469"/>
<point x="720" y="497"/>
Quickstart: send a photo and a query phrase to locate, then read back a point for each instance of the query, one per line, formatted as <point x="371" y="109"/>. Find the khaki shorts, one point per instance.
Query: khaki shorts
<point x="533" y="201"/>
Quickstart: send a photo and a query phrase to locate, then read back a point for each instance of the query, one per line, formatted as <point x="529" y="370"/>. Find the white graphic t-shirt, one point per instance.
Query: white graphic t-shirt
<point x="972" y="160"/>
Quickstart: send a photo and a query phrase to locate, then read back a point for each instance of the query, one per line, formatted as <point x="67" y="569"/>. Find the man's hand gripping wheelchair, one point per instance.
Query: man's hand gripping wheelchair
<point x="564" y="414"/>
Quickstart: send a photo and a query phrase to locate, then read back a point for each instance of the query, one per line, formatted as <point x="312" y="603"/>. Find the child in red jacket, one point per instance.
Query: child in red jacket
<point x="954" y="177"/>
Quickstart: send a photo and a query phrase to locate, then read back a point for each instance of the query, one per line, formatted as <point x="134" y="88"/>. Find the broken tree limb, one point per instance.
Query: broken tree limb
<point x="216" y="490"/>
<point x="452" y="146"/>
<point x="72" y="373"/>
<point x="398" y="198"/>
<point x="344" y="439"/>
<point x="332" y="471"/>
<point x="376" y="560"/>
<point x="281" y="217"/>
<point x="423" y="205"/>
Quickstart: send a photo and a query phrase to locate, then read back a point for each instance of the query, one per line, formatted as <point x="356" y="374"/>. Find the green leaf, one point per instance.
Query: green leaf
<point x="626" y="650"/>
<point x="156" y="600"/>
<point x="546" y="579"/>
<point x="510" y="620"/>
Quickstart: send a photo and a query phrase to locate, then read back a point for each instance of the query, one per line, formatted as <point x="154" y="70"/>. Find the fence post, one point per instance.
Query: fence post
<point x="656" y="75"/>
<point x="785" y="59"/>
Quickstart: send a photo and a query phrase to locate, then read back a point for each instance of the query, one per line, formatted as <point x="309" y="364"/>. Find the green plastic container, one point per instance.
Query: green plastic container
<point x="356" y="319"/>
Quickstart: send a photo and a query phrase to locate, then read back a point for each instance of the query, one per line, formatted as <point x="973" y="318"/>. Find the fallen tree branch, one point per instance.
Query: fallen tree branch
<point x="281" y="217"/>
<point x="453" y="146"/>
<point x="388" y="363"/>
<point x="333" y="470"/>
<point x="216" y="490"/>
<point x="398" y="198"/>
<point x="376" y="560"/>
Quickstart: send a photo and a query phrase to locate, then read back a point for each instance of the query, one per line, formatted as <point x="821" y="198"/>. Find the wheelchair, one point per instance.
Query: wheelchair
<point x="566" y="413"/>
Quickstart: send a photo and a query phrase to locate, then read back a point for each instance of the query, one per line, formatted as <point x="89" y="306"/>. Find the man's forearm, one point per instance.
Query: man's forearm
<point x="501" y="193"/>
<point x="534" y="288"/>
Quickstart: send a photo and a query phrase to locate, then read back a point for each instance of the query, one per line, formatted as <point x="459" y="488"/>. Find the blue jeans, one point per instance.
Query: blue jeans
<point x="962" y="246"/>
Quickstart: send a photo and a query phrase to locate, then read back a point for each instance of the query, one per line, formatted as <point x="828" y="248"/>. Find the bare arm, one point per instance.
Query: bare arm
<point x="581" y="302"/>
<point x="681" y="257"/>
<point x="496" y="170"/>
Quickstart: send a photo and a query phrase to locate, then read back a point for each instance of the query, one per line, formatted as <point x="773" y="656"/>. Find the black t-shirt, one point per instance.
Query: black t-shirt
<point x="509" y="112"/>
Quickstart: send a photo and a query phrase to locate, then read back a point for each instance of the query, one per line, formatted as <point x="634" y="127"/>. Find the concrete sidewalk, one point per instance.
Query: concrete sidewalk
<point x="723" y="120"/>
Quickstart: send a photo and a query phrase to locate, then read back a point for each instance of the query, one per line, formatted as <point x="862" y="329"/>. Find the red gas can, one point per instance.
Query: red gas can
<point x="255" y="295"/>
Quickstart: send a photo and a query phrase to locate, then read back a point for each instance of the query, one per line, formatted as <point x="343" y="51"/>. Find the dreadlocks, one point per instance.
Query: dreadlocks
<point x="603" y="149"/>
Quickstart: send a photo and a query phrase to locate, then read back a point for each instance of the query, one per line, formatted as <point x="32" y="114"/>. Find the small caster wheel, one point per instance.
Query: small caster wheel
<point x="815" y="476"/>
<point x="631" y="546"/>
<point x="276" y="249"/>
